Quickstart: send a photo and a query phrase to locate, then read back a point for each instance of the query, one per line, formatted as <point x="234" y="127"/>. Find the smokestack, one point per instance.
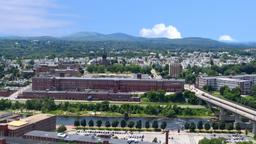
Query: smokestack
<point x="167" y="137"/>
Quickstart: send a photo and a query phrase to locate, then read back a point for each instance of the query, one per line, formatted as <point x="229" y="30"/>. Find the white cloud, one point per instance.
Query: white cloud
<point x="29" y="17"/>
<point x="227" y="38"/>
<point x="161" y="31"/>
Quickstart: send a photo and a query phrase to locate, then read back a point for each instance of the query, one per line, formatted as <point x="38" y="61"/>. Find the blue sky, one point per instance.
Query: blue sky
<point x="230" y="20"/>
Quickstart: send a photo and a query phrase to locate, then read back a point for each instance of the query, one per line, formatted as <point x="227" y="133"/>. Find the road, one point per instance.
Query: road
<point x="227" y="105"/>
<point x="21" y="90"/>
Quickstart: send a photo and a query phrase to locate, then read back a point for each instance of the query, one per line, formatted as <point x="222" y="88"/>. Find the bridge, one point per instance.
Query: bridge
<point x="238" y="110"/>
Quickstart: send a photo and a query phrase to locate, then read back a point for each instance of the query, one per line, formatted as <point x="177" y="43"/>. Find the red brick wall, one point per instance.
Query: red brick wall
<point x="80" y="96"/>
<point x="5" y="93"/>
<point x="107" y="84"/>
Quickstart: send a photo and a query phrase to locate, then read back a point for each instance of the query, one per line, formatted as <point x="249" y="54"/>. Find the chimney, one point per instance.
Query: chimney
<point x="167" y="137"/>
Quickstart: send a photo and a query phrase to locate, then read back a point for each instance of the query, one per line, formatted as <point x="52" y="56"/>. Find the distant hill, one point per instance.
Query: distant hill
<point x="192" y="41"/>
<point x="93" y="36"/>
<point x="80" y="44"/>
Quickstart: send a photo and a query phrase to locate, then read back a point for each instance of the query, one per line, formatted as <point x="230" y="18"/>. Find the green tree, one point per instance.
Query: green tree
<point x="207" y="126"/>
<point x="138" y="124"/>
<point x="187" y="125"/>
<point x="163" y="125"/>
<point x="253" y="90"/>
<point x="222" y="125"/>
<point x="131" y="124"/>
<point x="98" y="123"/>
<point x="115" y="123"/>
<point x="200" y="125"/>
<point x="61" y="129"/>
<point x="212" y="141"/>
<point x="222" y="89"/>
<point x="147" y="124"/>
<point x="192" y="127"/>
<point x="76" y="123"/>
<point x="107" y="124"/>
<point x="91" y="123"/>
<point x="83" y="123"/>
<point x="230" y="126"/>
<point x="215" y="125"/>
<point x="155" y="124"/>
<point x="123" y="123"/>
<point x="238" y="126"/>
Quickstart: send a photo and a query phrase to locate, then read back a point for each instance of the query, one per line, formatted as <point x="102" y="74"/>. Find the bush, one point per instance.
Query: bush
<point x="212" y="141"/>
<point x="61" y="129"/>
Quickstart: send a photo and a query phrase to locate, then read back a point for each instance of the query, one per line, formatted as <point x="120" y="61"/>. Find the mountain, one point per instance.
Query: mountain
<point x="82" y="43"/>
<point x="93" y="36"/>
<point x="190" y="41"/>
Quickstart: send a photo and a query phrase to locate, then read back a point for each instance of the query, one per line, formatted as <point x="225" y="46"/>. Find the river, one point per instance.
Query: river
<point x="172" y="123"/>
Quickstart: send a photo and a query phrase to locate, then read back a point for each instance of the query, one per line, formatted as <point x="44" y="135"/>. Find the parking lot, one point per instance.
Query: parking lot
<point x="174" y="137"/>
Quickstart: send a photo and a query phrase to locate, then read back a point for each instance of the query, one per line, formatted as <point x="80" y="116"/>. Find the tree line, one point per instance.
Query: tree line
<point x="193" y="71"/>
<point x="180" y="97"/>
<point x="48" y="105"/>
<point x="120" y="123"/>
<point x="235" y="95"/>
<point x="207" y="126"/>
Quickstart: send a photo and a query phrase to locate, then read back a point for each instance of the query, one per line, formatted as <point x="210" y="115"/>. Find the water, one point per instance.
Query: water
<point x="172" y="123"/>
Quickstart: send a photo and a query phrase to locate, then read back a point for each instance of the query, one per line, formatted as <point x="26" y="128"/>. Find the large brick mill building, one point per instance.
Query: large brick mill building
<point x="115" y="89"/>
<point x="114" y="84"/>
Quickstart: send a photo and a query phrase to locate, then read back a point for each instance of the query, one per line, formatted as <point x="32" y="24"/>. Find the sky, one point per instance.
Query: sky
<point x="224" y="20"/>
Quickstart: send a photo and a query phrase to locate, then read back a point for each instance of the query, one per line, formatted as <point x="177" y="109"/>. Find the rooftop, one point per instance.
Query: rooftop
<point x="29" y="120"/>
<point x="110" y="78"/>
<point x="231" y="79"/>
<point x="76" y="138"/>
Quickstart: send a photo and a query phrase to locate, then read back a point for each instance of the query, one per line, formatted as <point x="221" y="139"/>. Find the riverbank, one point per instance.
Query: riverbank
<point x="114" y="114"/>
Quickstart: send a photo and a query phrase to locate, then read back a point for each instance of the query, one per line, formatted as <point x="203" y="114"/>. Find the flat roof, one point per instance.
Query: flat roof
<point x="229" y="76"/>
<point x="80" y="92"/>
<point x="28" y="120"/>
<point x="231" y="79"/>
<point x="78" y="138"/>
<point x="111" y="78"/>
<point x="17" y="123"/>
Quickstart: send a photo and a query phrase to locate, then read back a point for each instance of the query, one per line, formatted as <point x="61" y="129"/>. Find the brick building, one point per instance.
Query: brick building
<point x="18" y="128"/>
<point x="114" y="84"/>
<point x="82" y="95"/>
<point x="113" y="89"/>
<point x="175" y="69"/>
